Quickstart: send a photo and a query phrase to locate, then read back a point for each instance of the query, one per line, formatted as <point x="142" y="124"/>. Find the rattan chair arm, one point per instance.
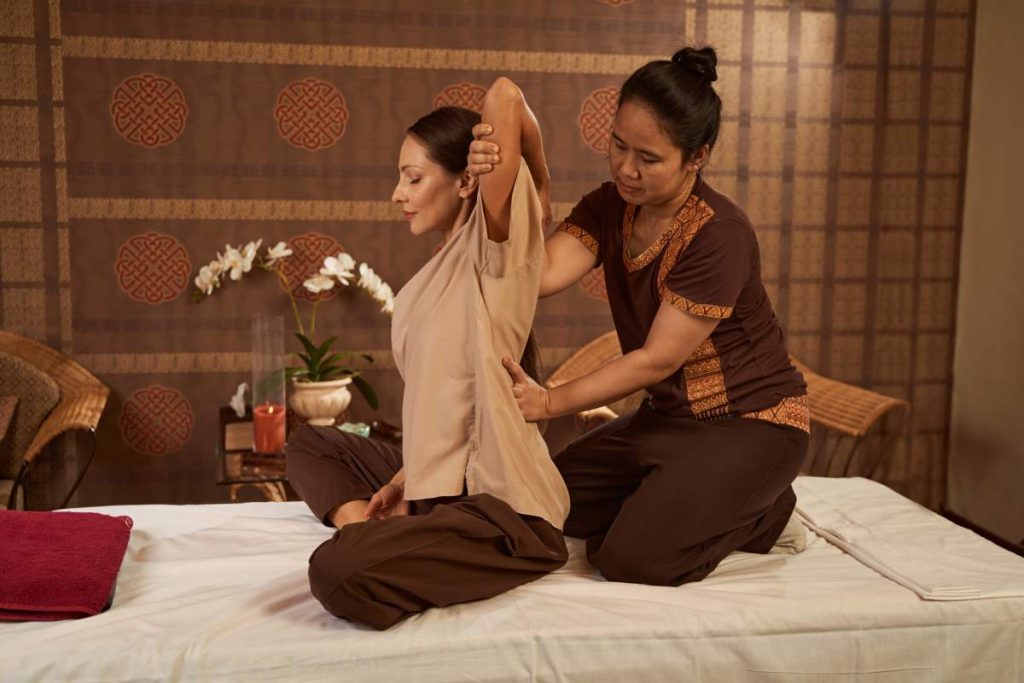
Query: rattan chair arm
<point x="79" y="410"/>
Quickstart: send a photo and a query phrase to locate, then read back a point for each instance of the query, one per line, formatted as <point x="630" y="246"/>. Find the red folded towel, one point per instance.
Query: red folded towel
<point x="59" y="565"/>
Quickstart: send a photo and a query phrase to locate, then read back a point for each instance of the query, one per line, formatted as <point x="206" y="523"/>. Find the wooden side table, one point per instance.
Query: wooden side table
<point x="239" y="466"/>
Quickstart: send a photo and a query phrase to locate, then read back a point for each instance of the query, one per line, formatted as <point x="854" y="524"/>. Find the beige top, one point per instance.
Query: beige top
<point x="469" y="306"/>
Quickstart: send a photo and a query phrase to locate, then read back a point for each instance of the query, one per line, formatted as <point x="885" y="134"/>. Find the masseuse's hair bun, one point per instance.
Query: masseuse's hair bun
<point x="701" y="62"/>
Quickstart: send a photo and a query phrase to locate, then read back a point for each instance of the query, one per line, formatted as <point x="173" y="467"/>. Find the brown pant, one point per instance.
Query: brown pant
<point x="447" y="551"/>
<point x="662" y="500"/>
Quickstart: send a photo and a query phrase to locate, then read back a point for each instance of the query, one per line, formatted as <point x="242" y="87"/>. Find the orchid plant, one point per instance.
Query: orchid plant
<point x="319" y="362"/>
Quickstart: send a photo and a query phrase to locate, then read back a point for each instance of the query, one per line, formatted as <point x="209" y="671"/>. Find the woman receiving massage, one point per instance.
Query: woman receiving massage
<point x="472" y="504"/>
<point x="704" y="466"/>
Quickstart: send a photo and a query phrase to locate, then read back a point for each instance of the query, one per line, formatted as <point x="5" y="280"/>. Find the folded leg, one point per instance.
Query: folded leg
<point x="328" y="467"/>
<point x="719" y="487"/>
<point x="381" y="571"/>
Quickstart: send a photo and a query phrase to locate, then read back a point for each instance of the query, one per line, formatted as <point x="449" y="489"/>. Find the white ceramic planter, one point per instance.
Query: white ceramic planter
<point x="320" y="402"/>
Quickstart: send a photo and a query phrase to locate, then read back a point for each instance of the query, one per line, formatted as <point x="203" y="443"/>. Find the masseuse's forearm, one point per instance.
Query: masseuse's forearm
<point x="620" y="378"/>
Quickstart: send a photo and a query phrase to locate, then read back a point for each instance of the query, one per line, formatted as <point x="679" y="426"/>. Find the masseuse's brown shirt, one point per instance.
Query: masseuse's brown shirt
<point x="707" y="264"/>
<point x="470" y="305"/>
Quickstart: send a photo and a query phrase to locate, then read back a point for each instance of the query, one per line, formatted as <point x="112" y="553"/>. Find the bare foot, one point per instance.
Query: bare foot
<point x="348" y="513"/>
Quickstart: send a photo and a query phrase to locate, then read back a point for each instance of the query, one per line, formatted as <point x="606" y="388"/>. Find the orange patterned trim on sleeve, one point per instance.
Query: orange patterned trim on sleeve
<point x="705" y="382"/>
<point x="579" y="233"/>
<point x="794" y="411"/>
<point x="692" y="307"/>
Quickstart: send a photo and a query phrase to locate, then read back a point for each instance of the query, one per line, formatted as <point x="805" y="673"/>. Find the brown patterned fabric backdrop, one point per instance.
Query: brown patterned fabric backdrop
<point x="140" y="137"/>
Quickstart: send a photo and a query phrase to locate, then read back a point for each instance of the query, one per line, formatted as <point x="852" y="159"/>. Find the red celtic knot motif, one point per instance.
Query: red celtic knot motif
<point x="596" y="117"/>
<point x="157" y="420"/>
<point x="310" y="250"/>
<point x="593" y="284"/>
<point x="467" y="95"/>
<point x="311" y="114"/>
<point x="152" y="268"/>
<point x="149" y="110"/>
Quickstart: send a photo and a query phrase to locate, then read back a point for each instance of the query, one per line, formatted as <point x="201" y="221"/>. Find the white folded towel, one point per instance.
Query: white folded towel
<point x="908" y="544"/>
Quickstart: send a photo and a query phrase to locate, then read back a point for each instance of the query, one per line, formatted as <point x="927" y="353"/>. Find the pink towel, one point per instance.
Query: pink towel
<point x="59" y="565"/>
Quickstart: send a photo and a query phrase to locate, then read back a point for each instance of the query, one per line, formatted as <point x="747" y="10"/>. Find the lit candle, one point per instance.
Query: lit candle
<point x="268" y="429"/>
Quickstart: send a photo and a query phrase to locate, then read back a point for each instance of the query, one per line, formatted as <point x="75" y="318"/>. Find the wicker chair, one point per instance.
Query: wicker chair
<point x="79" y="402"/>
<point x="843" y="417"/>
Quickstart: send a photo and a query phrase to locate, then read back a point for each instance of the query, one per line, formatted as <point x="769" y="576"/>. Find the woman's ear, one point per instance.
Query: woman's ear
<point x="697" y="161"/>
<point x="468" y="184"/>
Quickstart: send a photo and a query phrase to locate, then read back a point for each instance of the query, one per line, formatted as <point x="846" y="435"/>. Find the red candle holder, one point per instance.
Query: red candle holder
<point x="269" y="428"/>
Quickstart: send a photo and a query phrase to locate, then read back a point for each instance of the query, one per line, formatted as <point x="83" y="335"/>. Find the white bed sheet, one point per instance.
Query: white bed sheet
<point x="219" y="592"/>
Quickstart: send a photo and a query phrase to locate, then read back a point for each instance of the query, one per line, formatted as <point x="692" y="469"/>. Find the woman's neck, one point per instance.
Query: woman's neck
<point x="460" y="218"/>
<point x="664" y="212"/>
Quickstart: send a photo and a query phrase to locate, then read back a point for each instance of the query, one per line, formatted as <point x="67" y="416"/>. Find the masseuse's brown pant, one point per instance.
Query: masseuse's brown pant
<point x="447" y="551"/>
<point x="662" y="500"/>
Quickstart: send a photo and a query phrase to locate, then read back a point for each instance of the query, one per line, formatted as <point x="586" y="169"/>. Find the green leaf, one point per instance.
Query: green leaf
<point x="309" y="346"/>
<point x="335" y="358"/>
<point x="366" y="390"/>
<point x="326" y="345"/>
<point x="327" y="370"/>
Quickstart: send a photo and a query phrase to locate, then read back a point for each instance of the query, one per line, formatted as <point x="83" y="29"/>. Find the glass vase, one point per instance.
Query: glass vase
<point x="269" y="427"/>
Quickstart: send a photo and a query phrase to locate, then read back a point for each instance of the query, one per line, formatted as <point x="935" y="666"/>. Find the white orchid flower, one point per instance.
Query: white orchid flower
<point x="339" y="267"/>
<point x="206" y="280"/>
<point x="346" y="261"/>
<point x="277" y="252"/>
<point x="204" y="286"/>
<point x="233" y="261"/>
<point x="378" y="289"/>
<point x="249" y="254"/>
<point x="368" y="279"/>
<point x="318" y="283"/>
<point x="386" y="297"/>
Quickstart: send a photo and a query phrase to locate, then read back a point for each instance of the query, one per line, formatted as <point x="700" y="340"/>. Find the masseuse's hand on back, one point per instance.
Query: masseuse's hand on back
<point x="531" y="397"/>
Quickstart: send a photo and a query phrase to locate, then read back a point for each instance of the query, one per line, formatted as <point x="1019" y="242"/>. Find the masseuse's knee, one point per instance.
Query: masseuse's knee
<point x="650" y="565"/>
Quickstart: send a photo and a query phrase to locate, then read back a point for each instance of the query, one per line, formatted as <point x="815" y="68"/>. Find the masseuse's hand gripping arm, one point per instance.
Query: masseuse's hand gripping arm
<point x="673" y="338"/>
<point x="566" y="260"/>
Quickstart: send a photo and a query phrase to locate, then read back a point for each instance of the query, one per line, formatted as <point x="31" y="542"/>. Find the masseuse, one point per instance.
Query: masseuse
<point x="704" y="466"/>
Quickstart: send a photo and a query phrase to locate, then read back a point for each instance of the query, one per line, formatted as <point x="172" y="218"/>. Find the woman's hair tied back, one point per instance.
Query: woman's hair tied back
<point x="702" y="62"/>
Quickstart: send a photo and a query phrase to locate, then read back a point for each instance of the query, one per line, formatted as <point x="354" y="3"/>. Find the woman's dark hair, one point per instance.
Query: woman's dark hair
<point x="447" y="132"/>
<point x="680" y="93"/>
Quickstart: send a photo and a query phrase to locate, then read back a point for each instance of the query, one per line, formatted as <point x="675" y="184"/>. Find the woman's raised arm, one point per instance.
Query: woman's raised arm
<point x="515" y="132"/>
